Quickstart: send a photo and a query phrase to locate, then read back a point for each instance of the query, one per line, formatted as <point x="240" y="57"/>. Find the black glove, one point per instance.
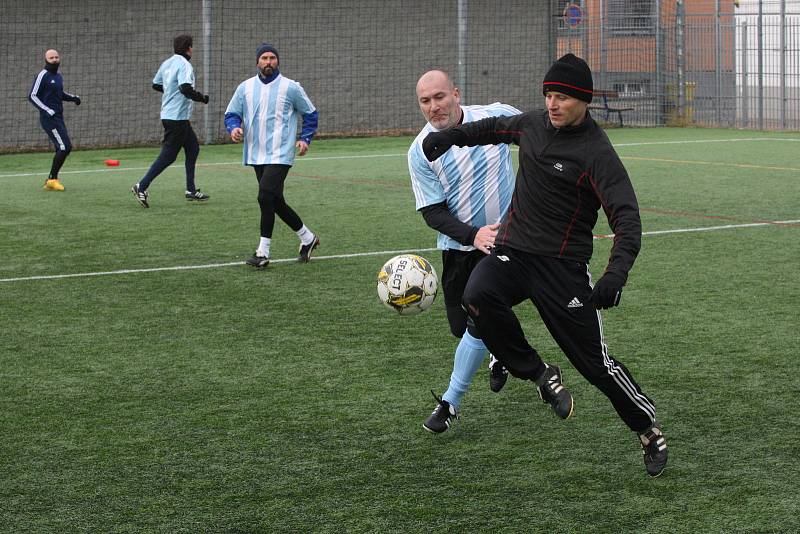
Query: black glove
<point x="77" y="100"/>
<point x="607" y="291"/>
<point x="436" y="144"/>
<point x="205" y="99"/>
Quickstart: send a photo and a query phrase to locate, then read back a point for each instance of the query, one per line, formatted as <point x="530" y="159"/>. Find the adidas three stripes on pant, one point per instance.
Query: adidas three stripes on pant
<point x="560" y="291"/>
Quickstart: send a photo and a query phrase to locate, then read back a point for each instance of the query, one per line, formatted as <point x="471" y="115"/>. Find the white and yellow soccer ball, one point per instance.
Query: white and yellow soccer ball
<point x="407" y="284"/>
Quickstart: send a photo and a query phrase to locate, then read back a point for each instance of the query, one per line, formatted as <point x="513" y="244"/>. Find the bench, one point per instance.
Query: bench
<point x="606" y="108"/>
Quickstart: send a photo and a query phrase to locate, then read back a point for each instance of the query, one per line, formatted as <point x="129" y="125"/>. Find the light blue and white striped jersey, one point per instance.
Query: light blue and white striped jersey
<point x="269" y="115"/>
<point x="173" y="73"/>
<point x="475" y="182"/>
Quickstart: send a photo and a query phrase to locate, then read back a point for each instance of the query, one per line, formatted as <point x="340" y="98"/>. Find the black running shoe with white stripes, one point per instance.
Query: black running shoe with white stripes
<point x="197" y="196"/>
<point x="497" y="374"/>
<point x="306" y="250"/>
<point x="140" y="196"/>
<point x="552" y="391"/>
<point x="259" y="262"/>
<point x="654" y="449"/>
<point x="442" y="417"/>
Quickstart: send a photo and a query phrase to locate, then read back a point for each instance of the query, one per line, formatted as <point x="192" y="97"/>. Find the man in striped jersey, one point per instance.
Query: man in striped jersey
<point x="463" y="196"/>
<point x="175" y="79"/>
<point x="568" y="171"/>
<point x="263" y="113"/>
<point x="46" y="95"/>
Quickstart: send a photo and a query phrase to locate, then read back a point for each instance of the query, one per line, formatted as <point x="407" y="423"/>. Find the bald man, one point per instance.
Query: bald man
<point x="463" y="196"/>
<point x="46" y="95"/>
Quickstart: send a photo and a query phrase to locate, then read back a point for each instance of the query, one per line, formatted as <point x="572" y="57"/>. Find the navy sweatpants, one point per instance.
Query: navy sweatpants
<point x="57" y="132"/>
<point x="560" y="291"/>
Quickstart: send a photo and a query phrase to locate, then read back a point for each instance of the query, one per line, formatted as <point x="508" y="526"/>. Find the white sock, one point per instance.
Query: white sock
<point x="263" y="247"/>
<point x="306" y="236"/>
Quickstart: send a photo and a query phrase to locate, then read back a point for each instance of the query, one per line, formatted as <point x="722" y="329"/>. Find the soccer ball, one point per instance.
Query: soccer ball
<point x="407" y="284"/>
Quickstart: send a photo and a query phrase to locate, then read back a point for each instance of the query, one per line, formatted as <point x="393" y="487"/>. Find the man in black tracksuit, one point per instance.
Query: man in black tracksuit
<point x="568" y="170"/>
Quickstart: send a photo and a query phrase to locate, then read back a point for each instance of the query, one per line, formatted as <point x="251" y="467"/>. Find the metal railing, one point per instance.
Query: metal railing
<point x="728" y="68"/>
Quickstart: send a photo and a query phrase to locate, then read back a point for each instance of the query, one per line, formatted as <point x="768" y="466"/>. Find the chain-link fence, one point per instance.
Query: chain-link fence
<point x="658" y="62"/>
<point x="358" y="61"/>
<point x="681" y="63"/>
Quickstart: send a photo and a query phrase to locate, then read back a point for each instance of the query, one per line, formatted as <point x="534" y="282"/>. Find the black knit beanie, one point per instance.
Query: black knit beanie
<point x="569" y="75"/>
<point x="266" y="47"/>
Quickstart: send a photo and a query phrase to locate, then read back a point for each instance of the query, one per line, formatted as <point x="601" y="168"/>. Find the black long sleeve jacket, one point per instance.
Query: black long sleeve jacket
<point x="565" y="176"/>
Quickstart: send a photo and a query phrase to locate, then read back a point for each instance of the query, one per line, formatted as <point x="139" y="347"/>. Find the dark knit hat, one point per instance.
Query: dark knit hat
<point x="569" y="75"/>
<point x="266" y="47"/>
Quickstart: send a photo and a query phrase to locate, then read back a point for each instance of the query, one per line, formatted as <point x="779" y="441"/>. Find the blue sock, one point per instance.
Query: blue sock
<point x="469" y="356"/>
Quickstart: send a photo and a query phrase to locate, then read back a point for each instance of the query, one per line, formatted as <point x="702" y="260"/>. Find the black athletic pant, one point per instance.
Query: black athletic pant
<point x="271" y="201"/>
<point x="57" y="132"/>
<point x="457" y="265"/>
<point x="560" y="291"/>
<point x="177" y="135"/>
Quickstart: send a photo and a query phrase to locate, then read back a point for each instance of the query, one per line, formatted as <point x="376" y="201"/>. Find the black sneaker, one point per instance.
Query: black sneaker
<point x="553" y="392"/>
<point x="654" y="449"/>
<point x="140" y="196"/>
<point x="259" y="262"/>
<point x="197" y="195"/>
<point x="306" y="250"/>
<point x="497" y="374"/>
<point x="442" y="416"/>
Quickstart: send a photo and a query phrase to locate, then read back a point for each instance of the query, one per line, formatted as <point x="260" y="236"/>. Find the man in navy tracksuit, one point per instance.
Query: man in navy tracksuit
<point x="47" y="94"/>
<point x="568" y="171"/>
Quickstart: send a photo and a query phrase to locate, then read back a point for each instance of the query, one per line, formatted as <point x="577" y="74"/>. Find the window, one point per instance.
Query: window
<point x="631" y="17"/>
<point x="630" y="89"/>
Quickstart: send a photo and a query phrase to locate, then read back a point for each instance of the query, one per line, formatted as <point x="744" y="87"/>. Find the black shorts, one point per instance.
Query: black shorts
<point x="457" y="265"/>
<point x="178" y="134"/>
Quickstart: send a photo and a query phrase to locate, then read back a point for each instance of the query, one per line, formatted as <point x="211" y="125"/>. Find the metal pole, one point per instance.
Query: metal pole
<point x="659" y="81"/>
<point x="760" y="59"/>
<point x="553" y="33"/>
<point x="783" y="64"/>
<point x="734" y="94"/>
<point x="462" y="48"/>
<point x="793" y="70"/>
<point x="584" y="34"/>
<point x="717" y="60"/>
<point x="207" y="74"/>
<point x="679" y="59"/>
<point x="603" y="54"/>
<point x="745" y="80"/>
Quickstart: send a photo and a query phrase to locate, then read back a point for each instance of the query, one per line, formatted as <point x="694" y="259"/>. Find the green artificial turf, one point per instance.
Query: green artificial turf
<point x="163" y="386"/>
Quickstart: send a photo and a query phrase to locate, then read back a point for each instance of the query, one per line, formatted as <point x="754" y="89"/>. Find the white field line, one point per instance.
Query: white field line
<point x="218" y="164"/>
<point x="323" y="158"/>
<point x="361" y="254"/>
<point x="208" y="265"/>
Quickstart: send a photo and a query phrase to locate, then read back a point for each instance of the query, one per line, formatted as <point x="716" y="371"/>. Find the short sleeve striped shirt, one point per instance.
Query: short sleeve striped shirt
<point x="475" y="182"/>
<point x="269" y="115"/>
